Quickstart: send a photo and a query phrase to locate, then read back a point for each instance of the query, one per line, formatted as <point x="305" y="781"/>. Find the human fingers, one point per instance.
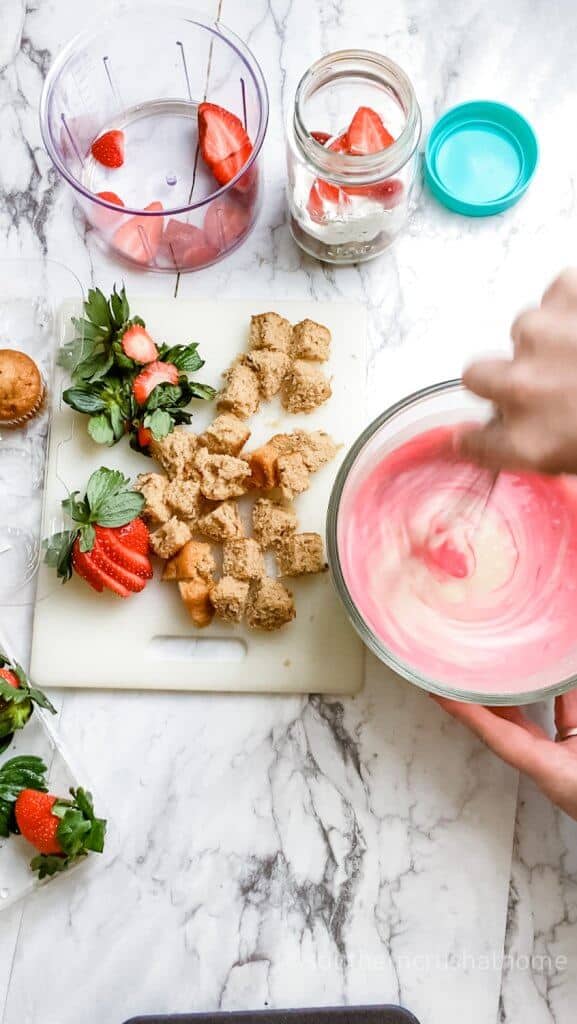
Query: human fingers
<point x="544" y="330"/>
<point x="561" y="295"/>
<point x="489" y="378"/>
<point x="566" y="716"/>
<point x="490" y="446"/>
<point x="517" y="716"/>
<point x="512" y="742"/>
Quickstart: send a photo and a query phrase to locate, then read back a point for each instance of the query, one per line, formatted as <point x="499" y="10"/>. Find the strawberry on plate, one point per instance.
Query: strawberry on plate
<point x="187" y="245"/>
<point x="226" y="221"/>
<point x="108" y="548"/>
<point x="139" y="238"/>
<point x="148" y="379"/>
<point x="17" y="700"/>
<point x="61" y="830"/>
<point x="108" y="149"/>
<point x="224" y="144"/>
<point x="367" y="133"/>
<point x="138" y="345"/>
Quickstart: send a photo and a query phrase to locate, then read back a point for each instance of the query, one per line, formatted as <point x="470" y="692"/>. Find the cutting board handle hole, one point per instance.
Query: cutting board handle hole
<point x="197" y="648"/>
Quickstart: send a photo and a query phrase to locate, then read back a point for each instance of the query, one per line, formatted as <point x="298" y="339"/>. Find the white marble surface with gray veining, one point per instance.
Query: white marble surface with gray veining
<point x="288" y="851"/>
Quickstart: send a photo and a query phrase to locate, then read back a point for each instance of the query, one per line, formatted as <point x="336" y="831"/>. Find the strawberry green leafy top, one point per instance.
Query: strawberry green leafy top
<point x="122" y="380"/>
<point x="17" y="700"/>
<point x="15" y="775"/>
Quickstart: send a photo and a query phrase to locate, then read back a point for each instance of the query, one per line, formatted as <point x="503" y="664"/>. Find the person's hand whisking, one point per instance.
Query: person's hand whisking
<point x="535" y="394"/>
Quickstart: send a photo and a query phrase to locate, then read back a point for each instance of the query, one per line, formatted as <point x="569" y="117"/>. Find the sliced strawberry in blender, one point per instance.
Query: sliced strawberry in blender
<point x="225" y="222"/>
<point x="224" y="144"/>
<point x="139" y="238"/>
<point x="227" y="169"/>
<point x="367" y="133"/>
<point x="108" y="149"/>
<point x="187" y="245"/>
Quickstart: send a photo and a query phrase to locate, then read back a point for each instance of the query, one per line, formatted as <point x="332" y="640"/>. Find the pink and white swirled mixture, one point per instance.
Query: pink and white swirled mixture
<point x="476" y="602"/>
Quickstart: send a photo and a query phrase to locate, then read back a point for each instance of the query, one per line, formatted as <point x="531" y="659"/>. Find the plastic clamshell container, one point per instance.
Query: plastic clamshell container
<point x="38" y="738"/>
<point x="31" y="292"/>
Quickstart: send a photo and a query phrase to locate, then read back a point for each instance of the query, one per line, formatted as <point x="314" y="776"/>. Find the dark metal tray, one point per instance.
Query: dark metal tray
<point x="322" y="1014"/>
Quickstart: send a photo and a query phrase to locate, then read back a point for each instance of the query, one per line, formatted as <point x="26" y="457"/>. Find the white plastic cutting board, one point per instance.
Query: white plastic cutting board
<point x="85" y="639"/>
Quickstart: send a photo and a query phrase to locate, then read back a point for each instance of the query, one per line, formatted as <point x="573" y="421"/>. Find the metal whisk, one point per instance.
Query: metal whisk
<point x="473" y="500"/>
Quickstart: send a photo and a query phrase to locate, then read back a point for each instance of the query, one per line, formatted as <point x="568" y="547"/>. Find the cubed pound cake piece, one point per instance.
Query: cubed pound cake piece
<point x="316" y="447"/>
<point x="263" y="467"/>
<point x="195" y="595"/>
<point x="240" y="395"/>
<point x="271" y="367"/>
<point x="270" y="605"/>
<point x="222" y="523"/>
<point x="185" y="499"/>
<point x="229" y="598"/>
<point x="305" y="387"/>
<point x="243" y="559"/>
<point x="222" y="476"/>
<point x="153" y="486"/>
<point x="292" y="475"/>
<point x="269" y="330"/>
<point x="272" y="522"/>
<point x="175" y="453"/>
<point x="311" y="341"/>
<point x="169" y="538"/>
<point x="300" y="554"/>
<point x="227" y="435"/>
<point x="194" y="561"/>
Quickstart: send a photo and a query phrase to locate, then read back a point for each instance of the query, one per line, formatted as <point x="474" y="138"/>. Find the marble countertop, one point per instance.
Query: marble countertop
<point x="302" y="851"/>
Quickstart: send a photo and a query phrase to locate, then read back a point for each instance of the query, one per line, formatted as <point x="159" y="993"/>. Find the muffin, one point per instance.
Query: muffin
<point x="21" y="387"/>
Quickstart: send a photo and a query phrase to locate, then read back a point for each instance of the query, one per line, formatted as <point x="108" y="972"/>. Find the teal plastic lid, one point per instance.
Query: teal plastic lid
<point x="480" y="158"/>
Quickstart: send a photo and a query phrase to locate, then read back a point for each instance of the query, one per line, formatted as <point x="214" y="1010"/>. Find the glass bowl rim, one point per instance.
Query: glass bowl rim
<point x="365" y="632"/>
<point x="82" y="38"/>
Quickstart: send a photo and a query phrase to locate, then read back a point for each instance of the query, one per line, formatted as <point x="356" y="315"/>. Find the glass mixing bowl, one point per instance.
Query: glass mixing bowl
<point x="439" y="405"/>
<point x="144" y="72"/>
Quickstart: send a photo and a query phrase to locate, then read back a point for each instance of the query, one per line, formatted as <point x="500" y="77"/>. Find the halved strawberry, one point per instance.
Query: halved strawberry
<point x="224" y="144"/>
<point x="187" y="245"/>
<point x="139" y="238"/>
<point x="108" y="149"/>
<point x="135" y="535"/>
<point x="322" y="197"/>
<point x="10" y="678"/>
<point x="367" y="133"/>
<point x="112" y="567"/>
<point x="85" y="566"/>
<point x="340" y="144"/>
<point x="144" y="436"/>
<point x="110" y="197"/>
<point x="136" y="562"/>
<point x="148" y="379"/>
<point x="225" y="222"/>
<point x="227" y="169"/>
<point x="138" y="345"/>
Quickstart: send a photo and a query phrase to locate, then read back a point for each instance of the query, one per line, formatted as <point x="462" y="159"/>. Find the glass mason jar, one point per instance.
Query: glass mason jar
<point x="347" y="208"/>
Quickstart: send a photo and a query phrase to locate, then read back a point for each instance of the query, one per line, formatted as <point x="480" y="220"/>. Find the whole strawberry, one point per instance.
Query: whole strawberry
<point x="109" y="546"/>
<point x="61" y="830"/>
<point x="17" y="700"/>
